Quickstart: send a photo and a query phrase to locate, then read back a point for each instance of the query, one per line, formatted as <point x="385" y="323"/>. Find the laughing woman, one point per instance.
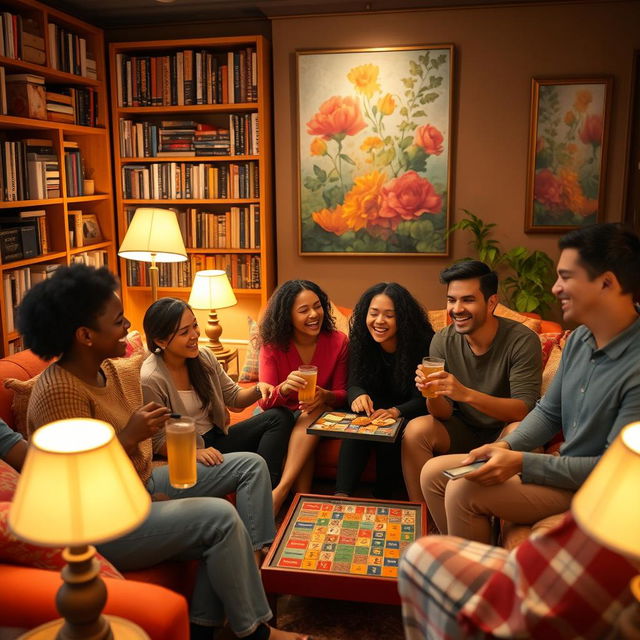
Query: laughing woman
<point x="389" y="335"/>
<point x="298" y="329"/>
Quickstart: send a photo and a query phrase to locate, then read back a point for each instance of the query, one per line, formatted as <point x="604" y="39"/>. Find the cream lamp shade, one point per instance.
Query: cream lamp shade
<point x="211" y="290"/>
<point x="606" y="506"/>
<point x="77" y="487"/>
<point x="154" y="234"/>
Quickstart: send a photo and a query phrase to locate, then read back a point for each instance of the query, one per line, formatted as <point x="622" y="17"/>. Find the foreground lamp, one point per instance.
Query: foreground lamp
<point x="212" y="290"/>
<point x="153" y="235"/>
<point x="603" y="507"/>
<point x="78" y="487"/>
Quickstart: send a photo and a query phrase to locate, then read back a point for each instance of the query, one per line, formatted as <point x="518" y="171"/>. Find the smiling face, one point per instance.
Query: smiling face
<point x="467" y="307"/>
<point x="307" y="314"/>
<point x="381" y="322"/>
<point x="184" y="342"/>
<point x="108" y="337"/>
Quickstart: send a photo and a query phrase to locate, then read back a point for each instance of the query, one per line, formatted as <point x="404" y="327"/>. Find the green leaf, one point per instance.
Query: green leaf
<point x="405" y="142"/>
<point x="320" y="173"/>
<point x="347" y="159"/>
<point x="311" y="183"/>
<point x="429" y="97"/>
<point x="333" y="196"/>
<point x="419" y="114"/>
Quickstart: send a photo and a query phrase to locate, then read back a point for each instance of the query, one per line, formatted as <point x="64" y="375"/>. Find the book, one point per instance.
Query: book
<point x="10" y="244"/>
<point x="76" y="236"/>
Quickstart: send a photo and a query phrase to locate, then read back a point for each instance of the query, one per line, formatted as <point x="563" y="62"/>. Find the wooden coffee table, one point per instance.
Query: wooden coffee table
<point x="342" y="548"/>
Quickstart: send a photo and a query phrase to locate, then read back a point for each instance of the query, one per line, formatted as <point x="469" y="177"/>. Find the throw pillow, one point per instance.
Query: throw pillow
<point x="547" y="342"/>
<point x="551" y="367"/>
<point x="249" y="372"/>
<point x="15" y="551"/>
<point x="21" y="393"/>
<point x="504" y="312"/>
<point x="342" y="320"/>
<point x="8" y="481"/>
<point x="438" y="318"/>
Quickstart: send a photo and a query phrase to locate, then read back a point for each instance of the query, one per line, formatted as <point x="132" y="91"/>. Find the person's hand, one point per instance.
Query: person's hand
<point x="294" y="382"/>
<point x="318" y="400"/>
<point x="209" y="456"/>
<point x="264" y="389"/>
<point x="502" y="464"/>
<point x="443" y="383"/>
<point x="159" y="497"/>
<point x="145" y="422"/>
<point x="362" y="404"/>
<point x="385" y="413"/>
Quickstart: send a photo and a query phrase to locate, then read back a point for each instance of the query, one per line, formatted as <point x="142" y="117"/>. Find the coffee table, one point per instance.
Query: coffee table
<point x="342" y="548"/>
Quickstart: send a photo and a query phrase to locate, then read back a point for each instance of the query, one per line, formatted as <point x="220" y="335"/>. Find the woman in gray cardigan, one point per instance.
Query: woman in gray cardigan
<point x="190" y="381"/>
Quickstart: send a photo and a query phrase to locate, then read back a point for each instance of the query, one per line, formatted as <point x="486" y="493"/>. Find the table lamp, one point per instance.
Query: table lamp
<point x="212" y="290"/>
<point x="77" y="488"/>
<point x="604" y="508"/>
<point x="153" y="235"/>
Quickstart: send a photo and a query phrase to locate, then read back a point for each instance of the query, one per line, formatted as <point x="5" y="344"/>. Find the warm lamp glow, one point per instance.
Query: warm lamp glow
<point x="211" y="290"/>
<point x="606" y="506"/>
<point x="77" y="487"/>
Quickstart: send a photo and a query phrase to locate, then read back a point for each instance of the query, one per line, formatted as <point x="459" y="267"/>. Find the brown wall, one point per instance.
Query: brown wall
<point x="498" y="50"/>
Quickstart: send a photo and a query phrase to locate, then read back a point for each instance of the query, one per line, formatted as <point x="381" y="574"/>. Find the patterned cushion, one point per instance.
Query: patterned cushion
<point x="547" y="342"/>
<point x="249" y="372"/>
<point x="551" y="367"/>
<point x="439" y="318"/>
<point x="342" y="320"/>
<point x="8" y="481"/>
<point x="21" y="393"/>
<point x="504" y="312"/>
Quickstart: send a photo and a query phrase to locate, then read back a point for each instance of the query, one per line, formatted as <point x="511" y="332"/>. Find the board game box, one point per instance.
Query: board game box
<point x="339" y="424"/>
<point x="342" y="548"/>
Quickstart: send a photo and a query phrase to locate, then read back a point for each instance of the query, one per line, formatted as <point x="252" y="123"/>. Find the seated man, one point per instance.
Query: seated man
<point x="595" y="392"/>
<point x="492" y="374"/>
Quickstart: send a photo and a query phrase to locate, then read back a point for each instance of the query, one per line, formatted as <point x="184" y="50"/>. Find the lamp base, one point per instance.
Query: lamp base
<point x="121" y="629"/>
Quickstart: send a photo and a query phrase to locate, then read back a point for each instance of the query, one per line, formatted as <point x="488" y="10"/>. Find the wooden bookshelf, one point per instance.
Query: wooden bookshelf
<point x="145" y="78"/>
<point x="72" y="64"/>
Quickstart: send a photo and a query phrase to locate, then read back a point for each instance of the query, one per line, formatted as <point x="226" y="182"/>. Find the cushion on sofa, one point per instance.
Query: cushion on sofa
<point x="8" y="481"/>
<point x="21" y="393"/>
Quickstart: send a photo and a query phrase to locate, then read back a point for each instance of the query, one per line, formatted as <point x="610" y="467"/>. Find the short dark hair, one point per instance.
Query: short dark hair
<point x="276" y="327"/>
<point x="468" y="269"/>
<point x="55" y="308"/>
<point x="608" y="247"/>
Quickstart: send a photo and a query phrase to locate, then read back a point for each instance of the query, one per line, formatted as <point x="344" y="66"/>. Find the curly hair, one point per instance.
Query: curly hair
<point x="414" y="333"/>
<point x="161" y="322"/>
<point x="276" y="327"/>
<point x="55" y="308"/>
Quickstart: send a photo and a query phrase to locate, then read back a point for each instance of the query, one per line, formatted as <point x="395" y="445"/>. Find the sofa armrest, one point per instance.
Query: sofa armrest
<point x="27" y="599"/>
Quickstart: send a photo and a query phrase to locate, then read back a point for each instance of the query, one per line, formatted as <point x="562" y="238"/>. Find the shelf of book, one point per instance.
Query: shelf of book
<point x="53" y="165"/>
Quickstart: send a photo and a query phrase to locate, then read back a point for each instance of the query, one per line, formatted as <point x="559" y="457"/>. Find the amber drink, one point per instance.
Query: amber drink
<point x="431" y="365"/>
<point x="310" y="373"/>
<point x="181" y="451"/>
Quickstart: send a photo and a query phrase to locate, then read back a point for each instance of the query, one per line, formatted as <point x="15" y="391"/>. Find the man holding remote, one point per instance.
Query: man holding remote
<point x="492" y="374"/>
<point x="595" y="392"/>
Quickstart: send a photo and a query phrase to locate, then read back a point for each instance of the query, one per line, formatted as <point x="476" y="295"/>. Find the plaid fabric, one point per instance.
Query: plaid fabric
<point x="558" y="584"/>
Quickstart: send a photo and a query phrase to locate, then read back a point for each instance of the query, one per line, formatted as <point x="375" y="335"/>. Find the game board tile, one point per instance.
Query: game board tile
<point x="311" y="506"/>
<point x="304" y="525"/>
<point x="391" y="553"/>
<point x="358" y="569"/>
<point x="374" y="571"/>
<point x="408" y="528"/>
<point x="309" y="564"/>
<point x="390" y="562"/>
<point x="323" y="566"/>
<point x="391" y="544"/>
<point x="341" y="566"/>
<point x="290" y="562"/>
<point x="296" y="544"/>
<point x="361" y="558"/>
<point x="390" y="572"/>
<point x="361" y="549"/>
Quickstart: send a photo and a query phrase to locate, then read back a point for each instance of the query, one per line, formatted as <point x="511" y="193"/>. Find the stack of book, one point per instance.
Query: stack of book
<point x="44" y="169"/>
<point x="176" y="138"/>
<point x="32" y="42"/>
<point x="23" y="236"/>
<point x="79" y="102"/>
<point x="74" y="168"/>
<point x="60" y="106"/>
<point x="212" y="141"/>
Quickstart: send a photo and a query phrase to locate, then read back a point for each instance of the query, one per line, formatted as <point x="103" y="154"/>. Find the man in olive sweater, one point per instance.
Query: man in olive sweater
<point x="492" y="377"/>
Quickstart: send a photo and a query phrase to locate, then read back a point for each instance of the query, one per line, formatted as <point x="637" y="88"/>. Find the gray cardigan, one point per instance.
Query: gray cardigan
<point x="158" y="386"/>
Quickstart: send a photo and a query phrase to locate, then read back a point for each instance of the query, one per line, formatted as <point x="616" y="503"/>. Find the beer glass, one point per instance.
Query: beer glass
<point x="431" y="365"/>
<point x="310" y="373"/>
<point x="181" y="451"/>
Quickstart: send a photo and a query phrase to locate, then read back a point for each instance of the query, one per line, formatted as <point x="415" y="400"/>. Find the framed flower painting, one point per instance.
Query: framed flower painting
<point x="567" y="149"/>
<point x="374" y="151"/>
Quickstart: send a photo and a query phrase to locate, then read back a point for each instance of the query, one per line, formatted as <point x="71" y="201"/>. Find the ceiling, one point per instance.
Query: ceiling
<point x="118" y="13"/>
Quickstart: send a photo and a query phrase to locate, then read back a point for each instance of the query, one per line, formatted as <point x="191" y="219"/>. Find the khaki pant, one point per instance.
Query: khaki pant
<point x="464" y="508"/>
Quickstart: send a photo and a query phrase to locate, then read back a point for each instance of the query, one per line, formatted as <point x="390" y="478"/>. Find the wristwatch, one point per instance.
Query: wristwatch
<point x="258" y="392"/>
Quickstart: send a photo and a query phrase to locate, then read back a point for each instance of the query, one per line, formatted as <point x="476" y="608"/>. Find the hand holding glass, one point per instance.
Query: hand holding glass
<point x="181" y="451"/>
<point x="431" y="365"/>
<point x="310" y="373"/>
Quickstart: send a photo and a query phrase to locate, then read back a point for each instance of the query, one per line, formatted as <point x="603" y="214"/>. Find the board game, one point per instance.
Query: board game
<point x="342" y="548"/>
<point x="340" y="424"/>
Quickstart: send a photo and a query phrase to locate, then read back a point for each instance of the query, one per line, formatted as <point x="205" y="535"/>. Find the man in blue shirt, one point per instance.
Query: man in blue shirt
<point x="13" y="447"/>
<point x="595" y="392"/>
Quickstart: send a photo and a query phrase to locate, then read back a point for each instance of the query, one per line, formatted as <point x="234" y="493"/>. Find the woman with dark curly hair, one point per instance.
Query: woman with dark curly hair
<point x="77" y="317"/>
<point x="390" y="333"/>
<point x="298" y="329"/>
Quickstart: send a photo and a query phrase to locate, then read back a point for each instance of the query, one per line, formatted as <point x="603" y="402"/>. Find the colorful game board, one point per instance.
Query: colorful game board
<point x="338" y="424"/>
<point x="342" y="548"/>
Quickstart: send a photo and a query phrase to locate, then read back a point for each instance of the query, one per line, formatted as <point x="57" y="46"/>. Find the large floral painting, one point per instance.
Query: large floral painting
<point x="374" y="150"/>
<point x="565" y="187"/>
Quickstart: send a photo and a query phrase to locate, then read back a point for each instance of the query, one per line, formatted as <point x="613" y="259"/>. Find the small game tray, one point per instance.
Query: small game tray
<point x="340" y="424"/>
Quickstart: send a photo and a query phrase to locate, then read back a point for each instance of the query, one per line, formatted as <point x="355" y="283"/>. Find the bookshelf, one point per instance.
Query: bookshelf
<point x="54" y="133"/>
<point x="191" y="125"/>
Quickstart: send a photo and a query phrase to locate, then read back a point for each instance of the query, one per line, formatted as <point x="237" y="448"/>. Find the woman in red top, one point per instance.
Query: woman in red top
<point x="297" y="329"/>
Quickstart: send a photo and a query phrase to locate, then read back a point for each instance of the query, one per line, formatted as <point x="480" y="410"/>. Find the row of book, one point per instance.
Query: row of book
<point x="238" y="228"/>
<point x="23" y="235"/>
<point x="171" y="138"/>
<point x="74" y="168"/>
<point x="74" y="105"/>
<point x="98" y="258"/>
<point x="68" y="52"/>
<point x="187" y="77"/>
<point x="21" y="38"/>
<point x="183" y="180"/>
<point x="29" y="171"/>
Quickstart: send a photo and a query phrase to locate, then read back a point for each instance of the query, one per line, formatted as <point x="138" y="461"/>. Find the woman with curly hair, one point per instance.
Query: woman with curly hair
<point x="298" y="329"/>
<point x="77" y="317"/>
<point x="390" y="333"/>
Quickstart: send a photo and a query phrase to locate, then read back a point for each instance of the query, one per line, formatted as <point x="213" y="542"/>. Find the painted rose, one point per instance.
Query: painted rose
<point x="336" y="116"/>
<point x="429" y="138"/>
<point x="569" y="118"/>
<point x="583" y="100"/>
<point x="386" y="105"/>
<point x="371" y="143"/>
<point x="591" y="132"/>
<point x="365" y="79"/>
<point x="318" y="147"/>
<point x="547" y="189"/>
<point x="331" y="221"/>
<point x="573" y="197"/>
<point x="361" y="204"/>
<point x="406" y="198"/>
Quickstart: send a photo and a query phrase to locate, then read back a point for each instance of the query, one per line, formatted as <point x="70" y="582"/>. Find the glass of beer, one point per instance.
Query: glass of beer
<point x="181" y="451"/>
<point x="310" y="373"/>
<point x="431" y="365"/>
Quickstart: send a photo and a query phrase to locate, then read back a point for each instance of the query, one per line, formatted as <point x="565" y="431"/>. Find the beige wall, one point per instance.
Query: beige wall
<point x="498" y="50"/>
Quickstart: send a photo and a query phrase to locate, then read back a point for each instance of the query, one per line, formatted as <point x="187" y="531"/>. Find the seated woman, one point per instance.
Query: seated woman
<point x="297" y="329"/>
<point x="190" y="381"/>
<point x="390" y="333"/>
<point x="77" y="316"/>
